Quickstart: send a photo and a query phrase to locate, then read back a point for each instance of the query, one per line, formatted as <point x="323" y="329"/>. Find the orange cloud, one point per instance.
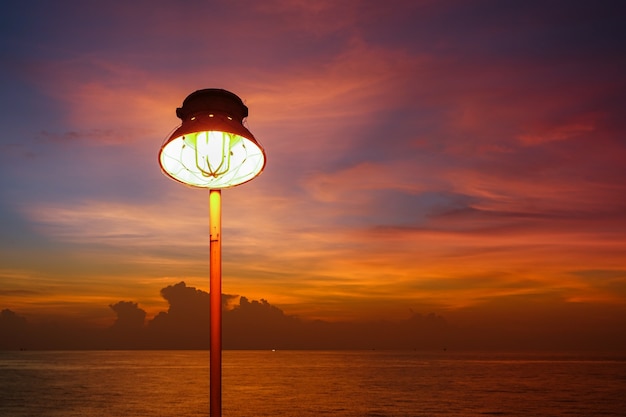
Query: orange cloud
<point x="557" y="133"/>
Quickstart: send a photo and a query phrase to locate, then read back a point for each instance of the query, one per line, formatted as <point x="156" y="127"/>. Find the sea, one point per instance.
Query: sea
<point x="311" y="383"/>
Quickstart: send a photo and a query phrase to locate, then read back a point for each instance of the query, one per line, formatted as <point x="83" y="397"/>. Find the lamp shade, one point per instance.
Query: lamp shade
<point x="212" y="148"/>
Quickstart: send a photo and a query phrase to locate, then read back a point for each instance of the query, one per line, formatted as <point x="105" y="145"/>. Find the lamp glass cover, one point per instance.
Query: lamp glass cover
<point x="212" y="159"/>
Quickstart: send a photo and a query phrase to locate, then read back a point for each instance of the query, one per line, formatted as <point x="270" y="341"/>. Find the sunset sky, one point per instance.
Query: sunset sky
<point x="463" y="158"/>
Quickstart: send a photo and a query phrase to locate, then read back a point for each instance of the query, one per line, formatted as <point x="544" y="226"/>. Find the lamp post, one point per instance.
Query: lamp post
<point x="212" y="149"/>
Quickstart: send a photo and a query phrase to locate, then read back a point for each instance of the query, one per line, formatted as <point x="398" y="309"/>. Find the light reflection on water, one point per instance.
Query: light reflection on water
<point x="309" y="383"/>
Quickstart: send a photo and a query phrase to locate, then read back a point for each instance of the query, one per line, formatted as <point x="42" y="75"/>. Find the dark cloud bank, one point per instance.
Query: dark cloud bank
<point x="259" y="325"/>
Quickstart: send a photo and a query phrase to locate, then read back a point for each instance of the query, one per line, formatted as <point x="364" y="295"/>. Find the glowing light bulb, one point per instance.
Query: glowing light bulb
<point x="213" y="153"/>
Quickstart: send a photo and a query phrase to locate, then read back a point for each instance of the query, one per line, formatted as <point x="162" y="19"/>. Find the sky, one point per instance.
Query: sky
<point x="463" y="160"/>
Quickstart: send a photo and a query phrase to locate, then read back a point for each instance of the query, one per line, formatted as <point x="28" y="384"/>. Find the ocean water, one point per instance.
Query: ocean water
<point x="311" y="383"/>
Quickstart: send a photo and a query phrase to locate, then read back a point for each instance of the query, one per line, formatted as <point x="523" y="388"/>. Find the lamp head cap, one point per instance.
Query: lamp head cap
<point x="212" y="100"/>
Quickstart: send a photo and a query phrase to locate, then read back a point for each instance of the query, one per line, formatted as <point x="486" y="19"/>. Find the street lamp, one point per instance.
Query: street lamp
<point x="213" y="149"/>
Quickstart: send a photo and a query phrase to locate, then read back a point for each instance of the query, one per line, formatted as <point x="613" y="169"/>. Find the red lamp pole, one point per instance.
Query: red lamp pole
<point x="215" y="278"/>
